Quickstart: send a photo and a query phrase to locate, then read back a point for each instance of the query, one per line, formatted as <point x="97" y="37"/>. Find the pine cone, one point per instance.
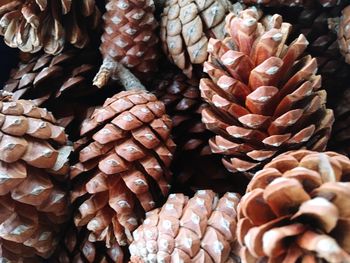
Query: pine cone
<point x="122" y="171"/>
<point x="263" y="99"/>
<point x="75" y="247"/>
<point x="129" y="35"/>
<point x="33" y="162"/>
<point x="48" y="25"/>
<point x="61" y="83"/>
<point x="183" y="103"/>
<point x="200" y="229"/>
<point x="187" y="26"/>
<point x="344" y="34"/>
<point x="295" y="210"/>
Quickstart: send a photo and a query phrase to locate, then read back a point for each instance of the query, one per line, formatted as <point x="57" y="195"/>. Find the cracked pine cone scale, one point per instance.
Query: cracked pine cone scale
<point x="295" y="210"/>
<point x="263" y="98"/>
<point x="125" y="164"/>
<point x="200" y="229"/>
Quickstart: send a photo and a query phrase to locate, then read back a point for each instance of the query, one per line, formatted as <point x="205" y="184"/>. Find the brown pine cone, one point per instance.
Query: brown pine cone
<point x="296" y="210"/>
<point x="60" y="83"/>
<point x="199" y="229"/>
<point x="122" y="168"/>
<point x="184" y="104"/>
<point x="34" y="25"/>
<point x="186" y="28"/>
<point x="264" y="99"/>
<point x="75" y="247"/>
<point x="129" y="35"/>
<point x="33" y="164"/>
<point x="344" y="34"/>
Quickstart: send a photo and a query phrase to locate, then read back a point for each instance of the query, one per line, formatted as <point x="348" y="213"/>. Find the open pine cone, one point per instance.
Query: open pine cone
<point x="33" y="162"/>
<point x="264" y="99"/>
<point x="129" y="35"/>
<point x="344" y="34"/>
<point x="186" y="28"/>
<point x="291" y="3"/>
<point x="200" y="229"/>
<point x="296" y="210"/>
<point x="34" y="25"/>
<point x="122" y="168"/>
<point x="75" y="247"/>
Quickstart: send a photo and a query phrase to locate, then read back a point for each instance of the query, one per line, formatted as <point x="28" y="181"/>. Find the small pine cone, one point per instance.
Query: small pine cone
<point x="34" y="25"/>
<point x="122" y="168"/>
<point x="296" y="210"/>
<point x="33" y="164"/>
<point x="129" y="35"/>
<point x="75" y="247"/>
<point x="64" y="79"/>
<point x="340" y="139"/>
<point x="199" y="229"/>
<point x="264" y="99"/>
<point x="344" y="34"/>
<point x="186" y="28"/>
<point x="184" y="104"/>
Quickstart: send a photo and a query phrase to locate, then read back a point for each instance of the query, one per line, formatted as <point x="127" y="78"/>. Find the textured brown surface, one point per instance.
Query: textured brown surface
<point x="296" y="209"/>
<point x="33" y="162"/>
<point x="200" y="229"/>
<point x="264" y="97"/>
<point x="186" y="27"/>
<point x="304" y="3"/>
<point x="75" y="247"/>
<point x="129" y="35"/>
<point x="34" y="25"/>
<point x="122" y="167"/>
<point x="60" y="83"/>
<point x="344" y="34"/>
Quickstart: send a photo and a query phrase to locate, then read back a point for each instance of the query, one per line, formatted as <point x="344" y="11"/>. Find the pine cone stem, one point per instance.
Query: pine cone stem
<point x="115" y="70"/>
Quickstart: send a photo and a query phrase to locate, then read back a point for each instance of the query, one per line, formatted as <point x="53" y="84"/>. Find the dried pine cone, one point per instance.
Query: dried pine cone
<point x="344" y="34"/>
<point x="129" y="35"/>
<point x="296" y="210"/>
<point x="187" y="26"/>
<point x="75" y="247"/>
<point x="33" y="161"/>
<point x="200" y="229"/>
<point x="183" y="103"/>
<point x="60" y="83"/>
<point x="124" y="156"/>
<point x="34" y="25"/>
<point x="263" y="98"/>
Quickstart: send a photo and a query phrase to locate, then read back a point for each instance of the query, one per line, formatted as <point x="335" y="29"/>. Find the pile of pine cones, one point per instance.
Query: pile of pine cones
<point x="151" y="131"/>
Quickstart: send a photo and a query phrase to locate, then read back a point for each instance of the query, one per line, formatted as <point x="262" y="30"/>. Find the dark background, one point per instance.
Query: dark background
<point x="8" y="60"/>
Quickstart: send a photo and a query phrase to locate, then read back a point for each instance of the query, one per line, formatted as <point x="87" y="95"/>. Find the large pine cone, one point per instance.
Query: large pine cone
<point x="33" y="162"/>
<point x="123" y="165"/>
<point x="186" y="27"/>
<point x="129" y="35"/>
<point x="75" y="247"/>
<point x="344" y="34"/>
<point x="263" y="99"/>
<point x="34" y="25"/>
<point x="296" y="210"/>
<point x="60" y="83"/>
<point x="200" y="229"/>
